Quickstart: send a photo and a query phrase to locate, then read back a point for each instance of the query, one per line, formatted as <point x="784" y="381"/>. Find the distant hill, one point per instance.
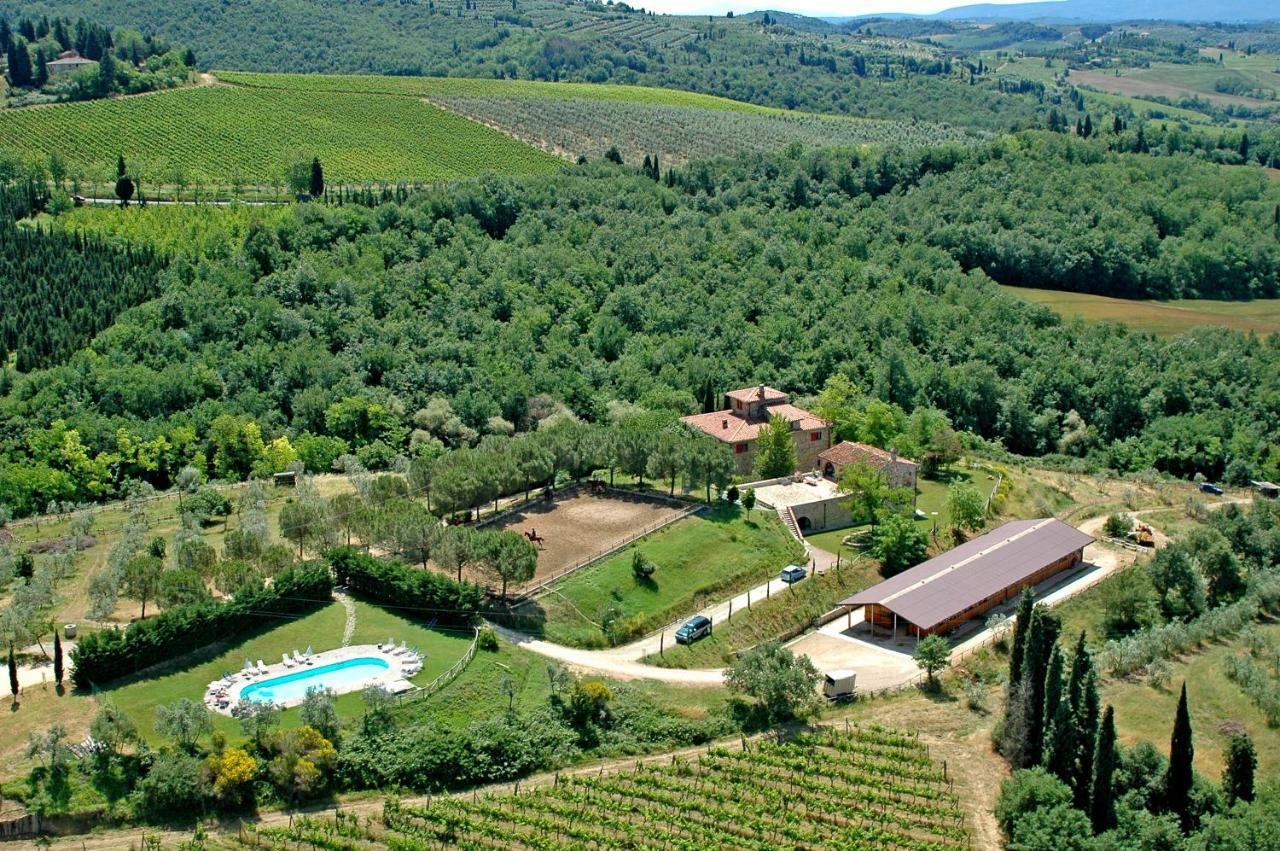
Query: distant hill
<point x="1118" y="10"/>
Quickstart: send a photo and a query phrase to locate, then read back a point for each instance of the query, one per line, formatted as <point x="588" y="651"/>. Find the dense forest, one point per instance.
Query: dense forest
<point x="463" y="310"/>
<point x="59" y="289"/>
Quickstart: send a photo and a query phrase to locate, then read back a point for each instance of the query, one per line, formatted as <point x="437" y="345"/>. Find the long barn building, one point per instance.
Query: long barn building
<point x="940" y="594"/>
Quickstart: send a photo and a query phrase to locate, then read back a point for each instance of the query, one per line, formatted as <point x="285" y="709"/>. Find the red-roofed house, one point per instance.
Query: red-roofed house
<point x="68" y="63"/>
<point x="749" y="409"/>
<point x="900" y="472"/>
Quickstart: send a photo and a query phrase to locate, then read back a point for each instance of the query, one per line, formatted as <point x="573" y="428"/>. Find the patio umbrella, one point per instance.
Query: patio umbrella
<point x="308" y="653"/>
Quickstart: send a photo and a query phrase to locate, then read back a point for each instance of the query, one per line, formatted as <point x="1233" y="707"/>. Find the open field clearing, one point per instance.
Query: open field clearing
<point x="698" y="560"/>
<point x="581" y="526"/>
<point x="1218" y="707"/>
<point x="1173" y="82"/>
<point x="230" y="134"/>
<point x="1165" y="318"/>
<point x="868" y="788"/>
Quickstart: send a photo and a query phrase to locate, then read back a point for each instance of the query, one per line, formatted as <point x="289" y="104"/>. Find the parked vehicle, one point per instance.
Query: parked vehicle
<point x="1209" y="487"/>
<point x="837" y="685"/>
<point x="793" y="573"/>
<point x="698" y="626"/>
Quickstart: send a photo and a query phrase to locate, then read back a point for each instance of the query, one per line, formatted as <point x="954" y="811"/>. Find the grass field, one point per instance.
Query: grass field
<point x="229" y="134"/>
<point x="1175" y="81"/>
<point x="1164" y="318"/>
<point x="322" y="630"/>
<point x="1145" y="712"/>
<point x="698" y="559"/>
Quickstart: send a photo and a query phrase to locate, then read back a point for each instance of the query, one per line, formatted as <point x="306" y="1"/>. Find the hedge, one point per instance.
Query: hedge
<point x="101" y="657"/>
<point x="433" y="595"/>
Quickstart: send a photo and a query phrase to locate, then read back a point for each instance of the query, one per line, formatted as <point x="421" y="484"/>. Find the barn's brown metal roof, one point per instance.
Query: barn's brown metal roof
<point x="942" y="587"/>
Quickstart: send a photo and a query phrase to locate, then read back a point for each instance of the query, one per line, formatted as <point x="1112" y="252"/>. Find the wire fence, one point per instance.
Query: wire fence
<point x="545" y="585"/>
<point x="447" y="677"/>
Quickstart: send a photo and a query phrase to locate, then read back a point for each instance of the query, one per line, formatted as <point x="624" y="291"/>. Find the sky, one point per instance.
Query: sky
<point x="813" y="8"/>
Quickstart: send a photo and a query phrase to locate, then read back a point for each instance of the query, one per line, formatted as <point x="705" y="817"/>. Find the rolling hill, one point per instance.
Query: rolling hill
<point x="1126" y="10"/>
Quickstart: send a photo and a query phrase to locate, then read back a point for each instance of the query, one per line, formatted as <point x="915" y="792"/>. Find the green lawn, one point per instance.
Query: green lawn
<point x="321" y="629"/>
<point x="780" y="615"/>
<point x="478" y="691"/>
<point x="1164" y="318"/>
<point x="699" y="560"/>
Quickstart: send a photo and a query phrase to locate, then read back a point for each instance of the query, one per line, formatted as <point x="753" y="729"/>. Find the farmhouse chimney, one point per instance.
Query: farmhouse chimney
<point x="760" y="392"/>
<point x="724" y="422"/>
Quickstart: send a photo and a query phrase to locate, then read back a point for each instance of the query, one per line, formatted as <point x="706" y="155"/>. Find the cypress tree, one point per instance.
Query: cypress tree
<point x="1082" y="695"/>
<point x="1026" y="602"/>
<point x="1102" y="810"/>
<point x="57" y="658"/>
<point x="1178" y="779"/>
<point x="1053" y="683"/>
<point x="1062" y="745"/>
<point x="1088" y="126"/>
<point x="317" y="178"/>
<point x="1042" y="635"/>
<point x="1237" y="776"/>
<point x="13" y="674"/>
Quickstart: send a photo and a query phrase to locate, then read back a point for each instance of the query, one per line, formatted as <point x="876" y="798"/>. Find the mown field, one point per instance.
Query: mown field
<point x="1165" y="318"/>
<point x="230" y="134"/>
<point x="582" y="119"/>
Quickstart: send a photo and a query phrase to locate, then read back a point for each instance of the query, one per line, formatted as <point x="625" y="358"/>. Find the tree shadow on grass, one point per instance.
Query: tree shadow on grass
<point x="936" y="692"/>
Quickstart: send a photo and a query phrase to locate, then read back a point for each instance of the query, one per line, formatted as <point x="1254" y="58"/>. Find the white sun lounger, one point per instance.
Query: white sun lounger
<point x="288" y="663"/>
<point x="262" y="669"/>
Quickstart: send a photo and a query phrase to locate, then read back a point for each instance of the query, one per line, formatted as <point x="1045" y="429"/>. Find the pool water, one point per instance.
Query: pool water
<point x="341" y="676"/>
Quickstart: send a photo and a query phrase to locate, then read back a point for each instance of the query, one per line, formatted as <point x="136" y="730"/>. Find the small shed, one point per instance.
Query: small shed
<point x="286" y="479"/>
<point x="1270" y="490"/>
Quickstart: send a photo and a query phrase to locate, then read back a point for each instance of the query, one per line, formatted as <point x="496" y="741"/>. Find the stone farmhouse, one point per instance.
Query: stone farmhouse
<point x="748" y="410"/>
<point x="899" y="472"/>
<point x="68" y="63"/>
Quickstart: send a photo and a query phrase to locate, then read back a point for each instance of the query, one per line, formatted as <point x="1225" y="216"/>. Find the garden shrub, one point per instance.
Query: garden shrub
<point x="434" y="595"/>
<point x="101" y="657"/>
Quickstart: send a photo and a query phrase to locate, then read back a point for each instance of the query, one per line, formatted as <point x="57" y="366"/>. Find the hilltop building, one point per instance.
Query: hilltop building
<point x="748" y="410"/>
<point x="68" y="62"/>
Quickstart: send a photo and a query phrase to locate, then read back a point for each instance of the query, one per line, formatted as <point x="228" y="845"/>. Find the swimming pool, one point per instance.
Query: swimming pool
<point x="341" y="676"/>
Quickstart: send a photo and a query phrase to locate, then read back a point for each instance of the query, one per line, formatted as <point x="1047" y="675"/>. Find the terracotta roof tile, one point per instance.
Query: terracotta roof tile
<point x="848" y="452"/>
<point x="732" y="427"/>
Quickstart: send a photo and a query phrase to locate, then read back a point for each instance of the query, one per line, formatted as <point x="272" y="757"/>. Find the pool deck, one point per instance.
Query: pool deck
<point x="223" y="695"/>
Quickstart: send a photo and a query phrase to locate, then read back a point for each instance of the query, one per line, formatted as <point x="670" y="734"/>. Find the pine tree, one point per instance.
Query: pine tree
<point x="1178" y="779"/>
<point x="57" y="658"/>
<point x="1237" y="776"/>
<point x="1102" y="810"/>
<point x="317" y="178"/>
